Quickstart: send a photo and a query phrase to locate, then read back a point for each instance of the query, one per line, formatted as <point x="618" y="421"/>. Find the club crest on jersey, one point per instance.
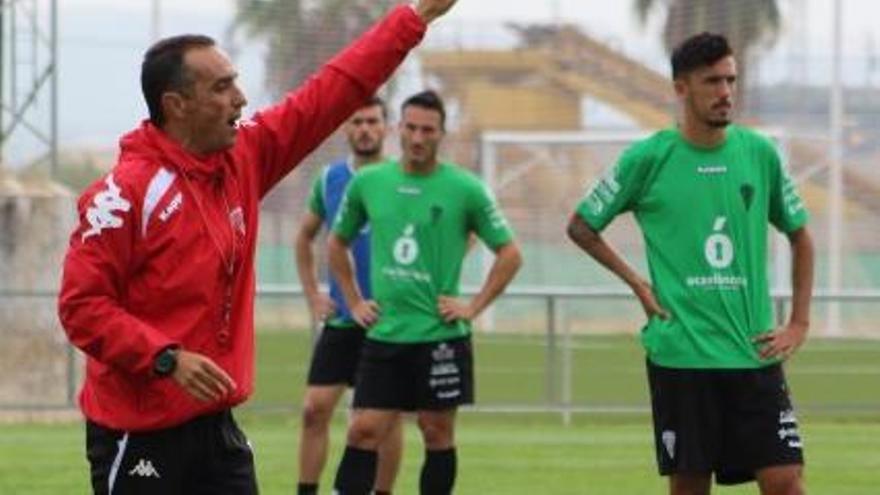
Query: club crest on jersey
<point x="747" y="192"/>
<point x="101" y="214"/>
<point x="236" y="219"/>
<point x="436" y="213"/>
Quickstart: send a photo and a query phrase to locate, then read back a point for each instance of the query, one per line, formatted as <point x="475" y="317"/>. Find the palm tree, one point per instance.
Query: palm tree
<point x="303" y="34"/>
<point x="746" y="24"/>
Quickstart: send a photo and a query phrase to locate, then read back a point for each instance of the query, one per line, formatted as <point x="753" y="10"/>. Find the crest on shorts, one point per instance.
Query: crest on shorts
<point x="668" y="438"/>
<point x="443" y="352"/>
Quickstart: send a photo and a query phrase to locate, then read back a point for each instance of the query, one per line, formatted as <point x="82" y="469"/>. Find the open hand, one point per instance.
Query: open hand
<point x="365" y="312"/>
<point x="652" y="308"/>
<point x="321" y="306"/>
<point x="782" y="342"/>
<point x="201" y="377"/>
<point x="452" y="309"/>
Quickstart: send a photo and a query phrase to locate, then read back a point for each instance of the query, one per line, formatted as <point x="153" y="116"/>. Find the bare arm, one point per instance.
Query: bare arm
<point x="508" y="261"/>
<point x="319" y="304"/>
<point x="786" y="340"/>
<point x="593" y="244"/>
<point x="364" y="312"/>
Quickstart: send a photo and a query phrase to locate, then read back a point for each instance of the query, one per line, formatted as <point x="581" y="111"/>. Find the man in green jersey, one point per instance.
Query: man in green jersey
<point x="417" y="355"/>
<point x="703" y="194"/>
<point x="335" y="355"/>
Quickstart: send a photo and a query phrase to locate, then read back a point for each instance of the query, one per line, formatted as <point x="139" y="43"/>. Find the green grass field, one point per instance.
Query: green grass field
<point x="836" y="385"/>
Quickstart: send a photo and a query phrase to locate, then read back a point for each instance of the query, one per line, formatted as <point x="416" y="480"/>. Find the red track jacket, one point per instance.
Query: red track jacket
<point x="144" y="268"/>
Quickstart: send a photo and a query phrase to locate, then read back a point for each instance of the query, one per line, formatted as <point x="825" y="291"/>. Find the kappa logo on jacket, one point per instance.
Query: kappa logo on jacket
<point x="172" y="207"/>
<point x="101" y="215"/>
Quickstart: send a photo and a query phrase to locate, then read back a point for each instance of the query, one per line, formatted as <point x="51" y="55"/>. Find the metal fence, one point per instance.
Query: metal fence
<point x="45" y="374"/>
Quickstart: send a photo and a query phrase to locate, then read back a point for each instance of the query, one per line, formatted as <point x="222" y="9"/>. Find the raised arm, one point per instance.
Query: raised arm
<point x="283" y="134"/>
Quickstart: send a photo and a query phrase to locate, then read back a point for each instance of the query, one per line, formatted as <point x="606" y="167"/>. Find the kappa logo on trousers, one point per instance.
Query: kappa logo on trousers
<point x="144" y="469"/>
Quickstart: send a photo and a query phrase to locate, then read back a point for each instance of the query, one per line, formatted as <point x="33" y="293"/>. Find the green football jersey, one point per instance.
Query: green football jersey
<point x="704" y="215"/>
<point x="315" y="201"/>
<point x="419" y="229"/>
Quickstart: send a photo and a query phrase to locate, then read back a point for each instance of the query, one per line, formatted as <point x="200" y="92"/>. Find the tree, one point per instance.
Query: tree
<point x="302" y="34"/>
<point x="746" y="24"/>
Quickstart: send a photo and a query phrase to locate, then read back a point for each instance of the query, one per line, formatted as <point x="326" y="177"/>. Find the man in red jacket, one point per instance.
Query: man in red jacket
<point x="158" y="282"/>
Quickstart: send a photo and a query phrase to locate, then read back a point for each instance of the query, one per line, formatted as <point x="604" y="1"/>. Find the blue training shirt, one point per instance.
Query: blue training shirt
<point x="327" y="193"/>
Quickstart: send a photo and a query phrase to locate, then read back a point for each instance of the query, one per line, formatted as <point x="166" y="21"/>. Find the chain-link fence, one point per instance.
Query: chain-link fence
<point x="581" y="70"/>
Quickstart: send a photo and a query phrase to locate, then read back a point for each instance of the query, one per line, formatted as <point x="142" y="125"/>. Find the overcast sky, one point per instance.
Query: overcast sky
<point x="102" y="41"/>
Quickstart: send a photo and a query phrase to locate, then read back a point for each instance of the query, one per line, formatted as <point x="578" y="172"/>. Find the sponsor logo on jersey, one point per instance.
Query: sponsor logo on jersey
<point x="409" y="190"/>
<point x="719" y="253"/>
<point x="712" y="169"/>
<point x="172" y="207"/>
<point x="405" y="252"/>
<point x="717" y="281"/>
<point x="603" y="192"/>
<point x="790" y="196"/>
<point x="406" y="248"/>
<point x="104" y="206"/>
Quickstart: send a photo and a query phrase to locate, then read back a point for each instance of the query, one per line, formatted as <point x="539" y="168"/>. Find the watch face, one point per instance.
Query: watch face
<point x="165" y="362"/>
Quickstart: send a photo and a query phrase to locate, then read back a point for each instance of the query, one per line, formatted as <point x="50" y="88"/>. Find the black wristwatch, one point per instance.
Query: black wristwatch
<point x="165" y="362"/>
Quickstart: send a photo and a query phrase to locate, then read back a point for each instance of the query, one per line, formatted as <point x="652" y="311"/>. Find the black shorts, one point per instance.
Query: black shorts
<point x="336" y="355"/>
<point x="727" y="422"/>
<point x="203" y="456"/>
<point x="431" y="376"/>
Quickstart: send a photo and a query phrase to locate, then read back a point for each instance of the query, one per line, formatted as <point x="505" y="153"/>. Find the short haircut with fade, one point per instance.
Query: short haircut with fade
<point x="163" y="70"/>
<point x="700" y="50"/>
<point x="429" y="100"/>
<point x="377" y="101"/>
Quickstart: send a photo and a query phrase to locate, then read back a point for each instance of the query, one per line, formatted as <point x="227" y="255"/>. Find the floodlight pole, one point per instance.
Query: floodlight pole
<point x="26" y="78"/>
<point x="155" y="20"/>
<point x="53" y="98"/>
<point x="835" y="204"/>
<point x="2" y="78"/>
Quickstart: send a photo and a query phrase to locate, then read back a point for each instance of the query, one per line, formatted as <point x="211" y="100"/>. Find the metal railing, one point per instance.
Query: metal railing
<point x="558" y="337"/>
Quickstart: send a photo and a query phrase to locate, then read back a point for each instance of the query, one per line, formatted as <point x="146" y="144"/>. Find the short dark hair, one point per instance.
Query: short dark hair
<point x="377" y="101"/>
<point x="162" y="70"/>
<point x="430" y="100"/>
<point x="700" y="50"/>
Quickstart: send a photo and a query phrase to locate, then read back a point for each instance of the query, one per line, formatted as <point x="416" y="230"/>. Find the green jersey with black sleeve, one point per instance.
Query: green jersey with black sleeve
<point x="420" y="226"/>
<point x="704" y="215"/>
